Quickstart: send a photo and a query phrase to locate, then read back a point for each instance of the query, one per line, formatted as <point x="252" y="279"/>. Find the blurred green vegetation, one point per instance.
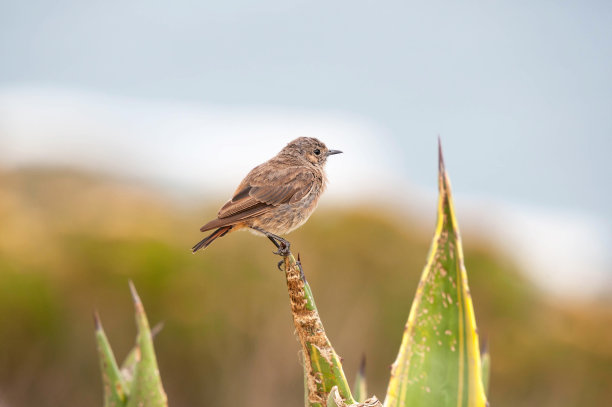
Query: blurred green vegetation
<point x="70" y="241"/>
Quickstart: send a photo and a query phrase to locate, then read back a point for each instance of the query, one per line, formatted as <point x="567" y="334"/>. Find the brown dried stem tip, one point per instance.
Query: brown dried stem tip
<point x="323" y="367"/>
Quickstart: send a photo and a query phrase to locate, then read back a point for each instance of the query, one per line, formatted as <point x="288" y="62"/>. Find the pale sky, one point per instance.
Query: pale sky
<point x="519" y="91"/>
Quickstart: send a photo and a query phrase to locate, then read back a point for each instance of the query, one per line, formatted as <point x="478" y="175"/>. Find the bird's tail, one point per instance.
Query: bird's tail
<point x="222" y="231"/>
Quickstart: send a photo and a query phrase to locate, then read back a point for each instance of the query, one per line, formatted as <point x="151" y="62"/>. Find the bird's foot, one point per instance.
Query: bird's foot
<point x="284" y="248"/>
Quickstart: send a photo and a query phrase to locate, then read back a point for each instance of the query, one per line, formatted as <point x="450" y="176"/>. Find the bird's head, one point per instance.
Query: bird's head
<point x="310" y="149"/>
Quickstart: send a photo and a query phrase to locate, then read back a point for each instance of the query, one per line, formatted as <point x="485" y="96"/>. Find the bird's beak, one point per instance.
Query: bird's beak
<point x="332" y="152"/>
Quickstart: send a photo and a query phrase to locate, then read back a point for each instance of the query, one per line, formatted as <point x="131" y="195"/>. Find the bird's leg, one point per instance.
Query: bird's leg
<point x="281" y="244"/>
<point x="274" y="241"/>
<point x="280" y="263"/>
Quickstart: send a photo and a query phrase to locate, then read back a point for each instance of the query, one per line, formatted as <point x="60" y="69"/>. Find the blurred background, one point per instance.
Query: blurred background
<point x="125" y="125"/>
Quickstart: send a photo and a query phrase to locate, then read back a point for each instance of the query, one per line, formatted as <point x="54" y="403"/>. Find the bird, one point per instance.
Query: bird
<point x="275" y="197"/>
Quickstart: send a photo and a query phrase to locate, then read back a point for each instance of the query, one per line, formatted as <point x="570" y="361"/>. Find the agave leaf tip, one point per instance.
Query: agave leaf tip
<point x="440" y="156"/>
<point x="135" y="297"/>
<point x="97" y="322"/>
<point x="362" y="365"/>
<point x="157" y="329"/>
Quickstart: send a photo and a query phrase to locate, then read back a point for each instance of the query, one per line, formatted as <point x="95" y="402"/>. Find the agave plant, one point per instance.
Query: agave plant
<point x="137" y="382"/>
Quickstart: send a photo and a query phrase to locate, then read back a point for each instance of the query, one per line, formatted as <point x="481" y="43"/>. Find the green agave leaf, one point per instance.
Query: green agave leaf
<point x="131" y="360"/>
<point x="115" y="389"/>
<point x="147" y="389"/>
<point x="129" y="365"/>
<point x="322" y="365"/>
<point x="438" y="363"/>
<point x="360" y="388"/>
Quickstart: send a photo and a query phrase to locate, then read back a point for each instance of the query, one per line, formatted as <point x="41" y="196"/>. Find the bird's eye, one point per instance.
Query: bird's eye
<point x="317" y="151"/>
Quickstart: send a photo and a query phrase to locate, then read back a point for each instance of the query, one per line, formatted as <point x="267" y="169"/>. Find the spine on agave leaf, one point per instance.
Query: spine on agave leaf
<point x="322" y="366"/>
<point x="438" y="363"/>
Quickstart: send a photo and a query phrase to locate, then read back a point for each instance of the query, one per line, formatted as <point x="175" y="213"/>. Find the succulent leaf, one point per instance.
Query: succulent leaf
<point x="115" y="389"/>
<point x="147" y="389"/>
<point x="322" y="365"/>
<point x="438" y="363"/>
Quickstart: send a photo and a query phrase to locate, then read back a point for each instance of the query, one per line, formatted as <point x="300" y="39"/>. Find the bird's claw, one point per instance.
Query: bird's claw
<point x="284" y="249"/>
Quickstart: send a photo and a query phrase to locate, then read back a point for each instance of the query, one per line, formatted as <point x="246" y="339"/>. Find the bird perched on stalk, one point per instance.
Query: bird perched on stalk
<point x="277" y="196"/>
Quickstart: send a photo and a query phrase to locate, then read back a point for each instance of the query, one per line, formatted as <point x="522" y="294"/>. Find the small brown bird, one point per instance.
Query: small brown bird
<point x="277" y="196"/>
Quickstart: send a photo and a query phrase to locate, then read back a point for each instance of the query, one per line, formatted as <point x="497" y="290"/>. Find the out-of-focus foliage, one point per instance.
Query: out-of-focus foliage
<point x="69" y="242"/>
<point x="114" y="384"/>
<point x="138" y="382"/>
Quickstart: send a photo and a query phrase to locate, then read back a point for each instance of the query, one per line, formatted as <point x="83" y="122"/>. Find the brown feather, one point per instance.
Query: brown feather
<point x="254" y="197"/>
<point x="202" y="244"/>
<point x="237" y="218"/>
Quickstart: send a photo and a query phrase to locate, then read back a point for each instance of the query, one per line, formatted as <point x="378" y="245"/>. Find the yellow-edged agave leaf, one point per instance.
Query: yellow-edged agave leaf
<point x="438" y="364"/>
<point x="322" y="366"/>
<point x="147" y="389"/>
<point x="115" y="389"/>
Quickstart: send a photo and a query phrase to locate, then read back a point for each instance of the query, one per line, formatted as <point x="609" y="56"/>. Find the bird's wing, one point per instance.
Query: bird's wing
<point x="262" y="190"/>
